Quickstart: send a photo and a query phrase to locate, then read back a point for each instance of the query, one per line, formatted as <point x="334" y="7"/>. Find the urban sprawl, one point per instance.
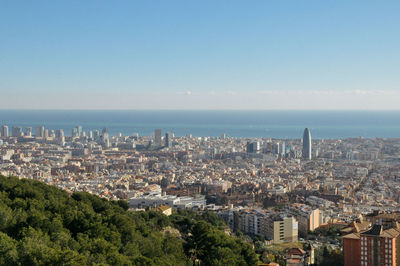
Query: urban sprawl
<point x="280" y="189"/>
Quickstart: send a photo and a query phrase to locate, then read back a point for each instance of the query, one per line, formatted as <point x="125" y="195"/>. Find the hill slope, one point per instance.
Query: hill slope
<point x="43" y="225"/>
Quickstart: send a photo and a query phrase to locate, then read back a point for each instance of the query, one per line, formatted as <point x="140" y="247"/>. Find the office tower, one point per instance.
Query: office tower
<point x="253" y="147"/>
<point x="107" y="142"/>
<point x="168" y="140"/>
<point x="282" y="149"/>
<point x="59" y="133"/>
<point x="28" y="131"/>
<point x="16" y="132"/>
<point x="157" y="137"/>
<point x="307" y="144"/>
<point x="80" y="131"/>
<point x="52" y="133"/>
<point x="104" y="136"/>
<point x="4" y="131"/>
<point x="96" y="134"/>
<point x="90" y="135"/>
<point x="223" y="136"/>
<point x="46" y="133"/>
<point x="39" y="132"/>
<point x="75" y="132"/>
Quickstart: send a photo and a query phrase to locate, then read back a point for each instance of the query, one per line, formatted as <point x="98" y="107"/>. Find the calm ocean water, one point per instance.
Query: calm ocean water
<point x="274" y="124"/>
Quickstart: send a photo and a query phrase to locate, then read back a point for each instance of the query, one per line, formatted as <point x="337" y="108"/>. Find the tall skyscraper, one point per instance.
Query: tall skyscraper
<point x="59" y="133"/>
<point x="157" y="137"/>
<point x="253" y="147"/>
<point x="306" y="144"/>
<point x="96" y="134"/>
<point x="80" y="131"/>
<point x="282" y="149"/>
<point x="16" y="131"/>
<point x="75" y="132"/>
<point x="168" y="140"/>
<point x="4" y="131"/>
<point x="28" y="131"/>
<point x="39" y="132"/>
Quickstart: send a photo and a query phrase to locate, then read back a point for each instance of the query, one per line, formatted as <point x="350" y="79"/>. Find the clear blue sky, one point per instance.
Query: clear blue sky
<point x="200" y="54"/>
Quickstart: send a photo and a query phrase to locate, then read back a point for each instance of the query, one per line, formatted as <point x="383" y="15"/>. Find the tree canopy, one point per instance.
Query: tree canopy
<point x="44" y="225"/>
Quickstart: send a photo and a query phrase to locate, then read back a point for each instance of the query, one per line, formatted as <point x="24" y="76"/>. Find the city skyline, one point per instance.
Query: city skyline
<point x="179" y="132"/>
<point x="185" y="55"/>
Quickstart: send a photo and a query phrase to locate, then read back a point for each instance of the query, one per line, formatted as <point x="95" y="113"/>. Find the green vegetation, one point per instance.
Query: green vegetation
<point x="329" y="257"/>
<point x="43" y="225"/>
<point x="275" y="252"/>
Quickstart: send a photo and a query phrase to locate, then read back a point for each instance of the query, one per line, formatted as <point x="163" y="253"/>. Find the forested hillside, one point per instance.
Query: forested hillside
<point x="43" y="225"/>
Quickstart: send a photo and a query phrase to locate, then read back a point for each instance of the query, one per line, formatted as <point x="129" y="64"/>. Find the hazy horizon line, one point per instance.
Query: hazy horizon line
<point x="183" y="109"/>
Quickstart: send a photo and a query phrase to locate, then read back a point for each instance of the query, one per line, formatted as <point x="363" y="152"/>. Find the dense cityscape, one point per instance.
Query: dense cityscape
<point x="200" y="133"/>
<point x="282" y="190"/>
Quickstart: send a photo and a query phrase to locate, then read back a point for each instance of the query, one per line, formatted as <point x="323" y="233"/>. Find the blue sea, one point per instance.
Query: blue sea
<point x="248" y="124"/>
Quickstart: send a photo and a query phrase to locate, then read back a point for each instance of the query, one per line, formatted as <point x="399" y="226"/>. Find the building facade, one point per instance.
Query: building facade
<point x="307" y="150"/>
<point x="372" y="247"/>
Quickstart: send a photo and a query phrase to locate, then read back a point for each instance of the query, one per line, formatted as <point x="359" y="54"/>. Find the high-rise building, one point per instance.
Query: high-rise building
<point x="39" y="132"/>
<point x="74" y="132"/>
<point x="275" y="148"/>
<point x="16" y="132"/>
<point x="306" y="154"/>
<point x="253" y="147"/>
<point x="168" y="140"/>
<point x="80" y="130"/>
<point x="96" y="134"/>
<point x="59" y="133"/>
<point x="28" y="131"/>
<point x="4" y="131"/>
<point x="282" y="149"/>
<point x="157" y="137"/>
